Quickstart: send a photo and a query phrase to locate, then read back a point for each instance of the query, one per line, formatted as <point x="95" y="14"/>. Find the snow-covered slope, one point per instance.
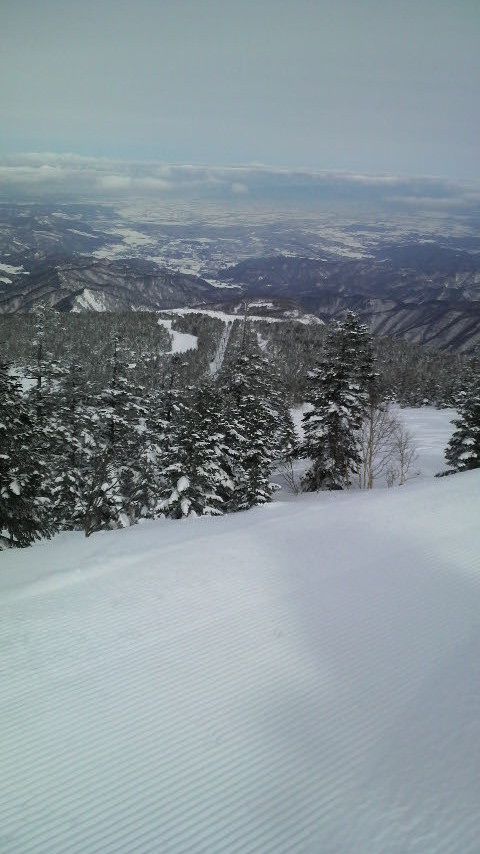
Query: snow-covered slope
<point x="304" y="677"/>
<point x="431" y="430"/>
<point x="181" y="342"/>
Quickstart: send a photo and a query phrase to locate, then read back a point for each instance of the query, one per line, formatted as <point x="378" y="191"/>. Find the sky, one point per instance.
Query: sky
<point x="371" y="86"/>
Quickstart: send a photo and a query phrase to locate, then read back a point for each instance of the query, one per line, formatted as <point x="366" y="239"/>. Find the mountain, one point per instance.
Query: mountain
<point x="426" y="294"/>
<point x="103" y="285"/>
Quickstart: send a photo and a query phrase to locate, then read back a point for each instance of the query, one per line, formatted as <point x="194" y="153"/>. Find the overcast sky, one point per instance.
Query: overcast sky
<point x="378" y="86"/>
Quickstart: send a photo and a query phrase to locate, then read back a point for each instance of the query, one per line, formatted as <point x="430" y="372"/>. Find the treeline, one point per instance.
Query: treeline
<point x="410" y="374"/>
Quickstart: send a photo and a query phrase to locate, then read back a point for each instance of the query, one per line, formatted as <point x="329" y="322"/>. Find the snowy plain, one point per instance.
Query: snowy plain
<point x="303" y="677"/>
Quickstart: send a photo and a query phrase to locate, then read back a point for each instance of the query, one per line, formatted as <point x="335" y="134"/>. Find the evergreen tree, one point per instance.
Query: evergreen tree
<point x="251" y="433"/>
<point x="72" y="447"/>
<point x="23" y="508"/>
<point x="197" y="479"/>
<point x="351" y="342"/>
<point x="148" y="464"/>
<point x="43" y="371"/>
<point x="166" y="410"/>
<point x="331" y="429"/>
<point x="117" y="423"/>
<point x="339" y="390"/>
<point x="463" y="450"/>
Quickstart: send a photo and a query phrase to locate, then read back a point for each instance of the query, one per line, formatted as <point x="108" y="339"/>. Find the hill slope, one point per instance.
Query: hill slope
<point x="101" y="285"/>
<point x="303" y="677"/>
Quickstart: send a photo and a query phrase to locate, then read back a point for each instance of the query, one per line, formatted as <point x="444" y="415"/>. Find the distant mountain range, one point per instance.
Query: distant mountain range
<point x="427" y="294"/>
<point x="401" y="281"/>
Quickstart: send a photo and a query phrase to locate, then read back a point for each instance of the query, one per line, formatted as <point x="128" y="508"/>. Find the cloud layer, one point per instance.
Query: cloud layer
<point x="37" y="176"/>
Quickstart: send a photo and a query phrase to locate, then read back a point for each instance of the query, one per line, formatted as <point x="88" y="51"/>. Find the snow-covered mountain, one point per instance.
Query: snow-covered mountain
<point x="90" y="284"/>
<point x="416" y="279"/>
<point x="301" y="677"/>
<point x="426" y="293"/>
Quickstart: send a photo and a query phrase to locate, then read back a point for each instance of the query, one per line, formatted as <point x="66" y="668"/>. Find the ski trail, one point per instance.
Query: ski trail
<point x="181" y="342"/>
<point x="219" y="356"/>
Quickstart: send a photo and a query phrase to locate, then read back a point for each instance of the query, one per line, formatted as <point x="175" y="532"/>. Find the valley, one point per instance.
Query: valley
<point x="408" y="276"/>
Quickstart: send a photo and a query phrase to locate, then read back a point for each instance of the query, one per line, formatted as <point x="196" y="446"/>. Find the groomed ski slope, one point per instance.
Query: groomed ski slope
<point x="304" y="677"/>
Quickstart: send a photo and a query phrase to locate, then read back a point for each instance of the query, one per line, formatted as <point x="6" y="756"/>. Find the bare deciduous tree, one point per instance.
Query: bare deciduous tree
<point x="387" y="448"/>
<point x="405" y="458"/>
<point x="285" y="467"/>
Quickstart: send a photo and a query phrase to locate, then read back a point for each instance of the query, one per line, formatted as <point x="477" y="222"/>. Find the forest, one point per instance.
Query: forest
<point x="103" y="424"/>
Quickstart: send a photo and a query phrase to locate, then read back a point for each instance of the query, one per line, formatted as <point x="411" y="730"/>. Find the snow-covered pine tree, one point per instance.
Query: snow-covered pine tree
<point x="339" y="389"/>
<point x="117" y="420"/>
<point x="285" y="442"/>
<point x="463" y="450"/>
<point x="251" y="432"/>
<point x="43" y="368"/>
<point x="378" y="425"/>
<point x="156" y="434"/>
<point x="43" y="372"/>
<point x="351" y="341"/>
<point x="197" y="479"/>
<point x="72" y="447"/>
<point x="24" y="513"/>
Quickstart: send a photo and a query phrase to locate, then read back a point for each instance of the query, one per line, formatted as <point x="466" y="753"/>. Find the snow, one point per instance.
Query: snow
<point x="182" y="484"/>
<point x="302" y="677"/>
<point x="431" y="429"/>
<point x="9" y="268"/>
<point x="306" y="319"/>
<point x="181" y="342"/>
<point x="26" y="382"/>
<point x="133" y="238"/>
<point x="262" y="341"/>
<point x="89" y="300"/>
<point x="82" y="233"/>
<point x="229" y="318"/>
<point x="15" y="487"/>
<point x="112" y="252"/>
<point x="217" y="284"/>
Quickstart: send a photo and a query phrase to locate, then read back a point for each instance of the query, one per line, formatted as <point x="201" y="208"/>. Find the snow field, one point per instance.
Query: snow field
<point x="181" y="341"/>
<point x="431" y="429"/>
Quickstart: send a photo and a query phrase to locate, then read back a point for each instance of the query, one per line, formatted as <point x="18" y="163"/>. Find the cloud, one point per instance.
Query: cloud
<point x="114" y="182"/>
<point x="152" y="184"/>
<point x="238" y="189"/>
<point x="432" y="202"/>
<point x="72" y="176"/>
